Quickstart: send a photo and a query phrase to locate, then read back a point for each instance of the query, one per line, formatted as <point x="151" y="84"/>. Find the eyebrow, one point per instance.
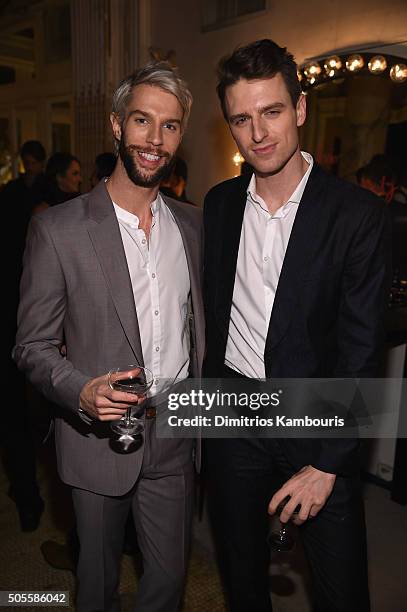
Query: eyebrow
<point x="145" y="114"/>
<point x="274" y="106"/>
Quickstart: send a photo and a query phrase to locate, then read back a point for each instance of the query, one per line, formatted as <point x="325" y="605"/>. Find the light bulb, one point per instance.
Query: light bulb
<point x="332" y="64"/>
<point x="398" y="73"/>
<point x="377" y="64"/>
<point x="354" y="63"/>
<point x="312" y="69"/>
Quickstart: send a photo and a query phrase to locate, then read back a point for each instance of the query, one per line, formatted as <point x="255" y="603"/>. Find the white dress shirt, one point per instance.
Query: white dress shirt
<point x="263" y="244"/>
<point x="160" y="280"/>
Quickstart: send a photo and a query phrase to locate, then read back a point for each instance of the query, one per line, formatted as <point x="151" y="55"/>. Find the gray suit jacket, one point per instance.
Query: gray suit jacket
<point x="76" y="290"/>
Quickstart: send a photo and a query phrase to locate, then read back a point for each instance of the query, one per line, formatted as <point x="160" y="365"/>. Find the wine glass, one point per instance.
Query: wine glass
<point x="282" y="540"/>
<point x="130" y="379"/>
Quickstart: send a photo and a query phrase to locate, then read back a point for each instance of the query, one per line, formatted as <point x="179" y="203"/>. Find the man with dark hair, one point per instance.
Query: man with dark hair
<point x="296" y="282"/>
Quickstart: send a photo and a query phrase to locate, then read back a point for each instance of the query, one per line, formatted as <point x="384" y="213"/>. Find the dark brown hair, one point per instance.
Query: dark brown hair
<point x="261" y="59"/>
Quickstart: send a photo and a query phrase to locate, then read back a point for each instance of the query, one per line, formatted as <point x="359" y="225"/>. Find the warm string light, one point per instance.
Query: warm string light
<point x="398" y="73"/>
<point x="377" y="64"/>
<point x="354" y="63"/>
<point x="312" y="70"/>
<point x="334" y="66"/>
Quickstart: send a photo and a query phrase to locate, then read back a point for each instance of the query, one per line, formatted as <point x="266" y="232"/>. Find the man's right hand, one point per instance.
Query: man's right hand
<point x="103" y="403"/>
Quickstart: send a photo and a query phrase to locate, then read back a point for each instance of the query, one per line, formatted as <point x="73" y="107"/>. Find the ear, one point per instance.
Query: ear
<point x="301" y="110"/>
<point x="116" y="126"/>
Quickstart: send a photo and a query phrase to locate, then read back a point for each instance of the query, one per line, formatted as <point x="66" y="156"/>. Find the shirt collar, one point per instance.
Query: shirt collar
<point x="132" y="220"/>
<point x="295" y="197"/>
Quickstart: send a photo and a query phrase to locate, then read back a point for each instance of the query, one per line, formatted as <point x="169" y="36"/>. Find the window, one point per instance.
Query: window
<point x="218" y="13"/>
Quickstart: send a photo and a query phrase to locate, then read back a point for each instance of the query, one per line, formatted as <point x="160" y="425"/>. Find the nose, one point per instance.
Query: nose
<point x="155" y="134"/>
<point x="259" y="130"/>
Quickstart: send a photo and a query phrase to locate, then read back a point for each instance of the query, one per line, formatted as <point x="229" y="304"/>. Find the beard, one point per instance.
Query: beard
<point x="140" y="177"/>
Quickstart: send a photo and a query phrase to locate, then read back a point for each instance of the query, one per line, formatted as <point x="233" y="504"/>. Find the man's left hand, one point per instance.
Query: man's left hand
<point x="308" y="488"/>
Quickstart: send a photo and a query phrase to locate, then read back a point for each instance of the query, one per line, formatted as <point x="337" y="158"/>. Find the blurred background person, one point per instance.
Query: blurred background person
<point x="175" y="185"/>
<point x="63" y="178"/>
<point x="104" y="166"/>
<point x="26" y="191"/>
<point x="18" y="198"/>
<point x="380" y="177"/>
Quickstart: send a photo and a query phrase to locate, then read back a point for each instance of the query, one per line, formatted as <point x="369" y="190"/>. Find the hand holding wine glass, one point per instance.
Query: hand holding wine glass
<point x="134" y="380"/>
<point x="102" y="402"/>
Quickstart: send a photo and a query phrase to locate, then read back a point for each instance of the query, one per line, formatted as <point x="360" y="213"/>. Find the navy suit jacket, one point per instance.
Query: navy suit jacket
<point x="327" y="317"/>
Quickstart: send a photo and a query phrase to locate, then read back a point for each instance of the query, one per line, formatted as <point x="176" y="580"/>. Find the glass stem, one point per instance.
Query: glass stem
<point x="128" y="417"/>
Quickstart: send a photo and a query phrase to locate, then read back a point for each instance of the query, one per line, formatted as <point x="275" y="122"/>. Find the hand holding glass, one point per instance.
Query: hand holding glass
<point x="282" y="540"/>
<point x="130" y="379"/>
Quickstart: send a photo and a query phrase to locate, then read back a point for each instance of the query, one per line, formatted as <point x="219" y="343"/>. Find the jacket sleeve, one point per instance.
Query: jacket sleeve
<point x="41" y="314"/>
<point x="360" y="329"/>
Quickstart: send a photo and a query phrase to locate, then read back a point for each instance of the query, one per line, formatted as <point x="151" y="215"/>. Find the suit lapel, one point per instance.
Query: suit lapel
<point x="230" y="230"/>
<point x="107" y="242"/>
<point x="191" y="242"/>
<point x="297" y="257"/>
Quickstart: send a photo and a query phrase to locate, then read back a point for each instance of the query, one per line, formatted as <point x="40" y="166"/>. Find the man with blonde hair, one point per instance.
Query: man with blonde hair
<point x="110" y="275"/>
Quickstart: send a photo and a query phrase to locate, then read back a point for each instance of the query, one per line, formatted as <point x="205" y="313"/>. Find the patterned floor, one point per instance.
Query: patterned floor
<point x="23" y="567"/>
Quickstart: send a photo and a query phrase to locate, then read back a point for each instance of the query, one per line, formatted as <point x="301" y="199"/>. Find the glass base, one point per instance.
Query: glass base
<point x="128" y="427"/>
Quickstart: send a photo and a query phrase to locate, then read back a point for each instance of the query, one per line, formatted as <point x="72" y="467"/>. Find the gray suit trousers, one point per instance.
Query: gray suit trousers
<point x="161" y="502"/>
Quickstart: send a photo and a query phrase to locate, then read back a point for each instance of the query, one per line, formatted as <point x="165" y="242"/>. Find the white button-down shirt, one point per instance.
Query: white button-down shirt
<point x="263" y="244"/>
<point x="160" y="280"/>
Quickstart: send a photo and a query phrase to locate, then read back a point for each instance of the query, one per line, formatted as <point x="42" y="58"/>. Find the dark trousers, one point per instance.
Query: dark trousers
<point x="242" y="476"/>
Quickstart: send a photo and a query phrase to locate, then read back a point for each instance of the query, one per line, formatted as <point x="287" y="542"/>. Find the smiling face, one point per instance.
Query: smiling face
<point x="149" y="135"/>
<point x="264" y="122"/>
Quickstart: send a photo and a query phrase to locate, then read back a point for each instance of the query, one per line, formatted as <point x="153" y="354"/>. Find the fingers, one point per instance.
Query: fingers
<point x="303" y="514"/>
<point x="314" y="510"/>
<point x="277" y="499"/>
<point x="308" y="489"/>
<point x="111" y="415"/>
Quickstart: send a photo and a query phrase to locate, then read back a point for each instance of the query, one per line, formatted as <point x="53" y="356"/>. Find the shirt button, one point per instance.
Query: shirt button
<point x="153" y="275"/>
<point x="143" y="241"/>
<point x="265" y="258"/>
<point x="156" y="312"/>
<point x="157" y="348"/>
